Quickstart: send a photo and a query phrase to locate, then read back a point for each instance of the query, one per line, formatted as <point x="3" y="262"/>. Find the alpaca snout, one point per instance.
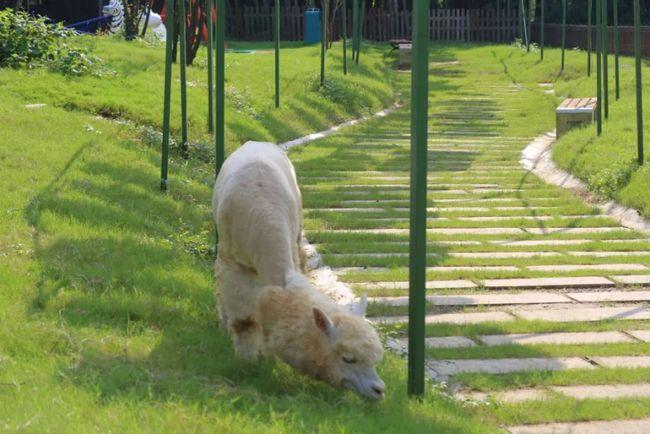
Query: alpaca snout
<point x="378" y="388"/>
<point x="372" y="388"/>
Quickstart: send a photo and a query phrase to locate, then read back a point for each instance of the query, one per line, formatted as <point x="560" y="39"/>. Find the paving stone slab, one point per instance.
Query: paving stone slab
<point x="596" y="230"/>
<point x="520" y="217"/>
<point x="589" y="267"/>
<point x="453" y="318"/>
<point x="643" y="279"/>
<point x="508" y="396"/>
<point x="504" y="366"/>
<point x="478" y="299"/>
<point x="487" y="268"/>
<point x="475" y="231"/>
<point x="642" y="335"/>
<point x="630" y="426"/>
<point x="443" y="342"/>
<point x="527" y="243"/>
<point x="502" y="255"/>
<point x="602" y="254"/>
<point x="615" y="296"/>
<point x="497" y="299"/>
<point x="623" y="361"/>
<point x="555" y="338"/>
<point x="608" y="391"/>
<point x="626" y="240"/>
<point x="549" y="282"/>
<point x="585" y="314"/>
<point x="431" y="284"/>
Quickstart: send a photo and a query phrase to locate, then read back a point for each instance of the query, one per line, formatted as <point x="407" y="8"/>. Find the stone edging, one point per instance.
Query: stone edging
<point x="328" y="132"/>
<point x="536" y="158"/>
<point x="321" y="275"/>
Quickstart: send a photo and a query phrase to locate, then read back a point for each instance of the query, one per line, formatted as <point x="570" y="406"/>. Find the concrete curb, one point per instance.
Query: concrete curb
<point x="536" y="158"/>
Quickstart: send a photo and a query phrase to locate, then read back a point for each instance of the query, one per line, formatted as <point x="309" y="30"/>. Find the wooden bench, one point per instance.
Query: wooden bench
<point x="574" y="112"/>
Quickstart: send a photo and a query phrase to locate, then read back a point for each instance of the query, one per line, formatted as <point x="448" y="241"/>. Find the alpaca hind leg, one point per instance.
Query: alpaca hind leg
<point x="237" y="306"/>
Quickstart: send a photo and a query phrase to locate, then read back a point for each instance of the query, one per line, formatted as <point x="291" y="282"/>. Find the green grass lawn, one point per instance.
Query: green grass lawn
<point x="107" y="313"/>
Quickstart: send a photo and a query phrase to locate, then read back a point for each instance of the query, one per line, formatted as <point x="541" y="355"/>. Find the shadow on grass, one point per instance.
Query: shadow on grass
<point x="137" y="301"/>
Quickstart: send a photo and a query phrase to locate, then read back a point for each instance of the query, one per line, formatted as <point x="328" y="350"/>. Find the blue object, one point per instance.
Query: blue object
<point x="312" y="26"/>
<point x="91" y="25"/>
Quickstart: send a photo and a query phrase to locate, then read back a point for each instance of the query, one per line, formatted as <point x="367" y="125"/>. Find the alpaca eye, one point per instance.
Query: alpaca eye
<point x="349" y="360"/>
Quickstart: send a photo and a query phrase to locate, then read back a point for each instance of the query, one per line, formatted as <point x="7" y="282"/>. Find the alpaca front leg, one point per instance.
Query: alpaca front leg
<point x="247" y="338"/>
<point x="237" y="301"/>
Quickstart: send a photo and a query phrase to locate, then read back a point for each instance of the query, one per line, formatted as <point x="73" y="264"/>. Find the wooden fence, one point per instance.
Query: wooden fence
<point x="461" y="25"/>
<point x="576" y="36"/>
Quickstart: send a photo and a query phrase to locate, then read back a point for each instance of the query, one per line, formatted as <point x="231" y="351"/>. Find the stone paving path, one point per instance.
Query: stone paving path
<point x="512" y="262"/>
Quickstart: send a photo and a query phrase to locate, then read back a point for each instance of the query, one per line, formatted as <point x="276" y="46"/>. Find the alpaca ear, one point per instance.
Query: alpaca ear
<point x="323" y="322"/>
<point x="359" y="308"/>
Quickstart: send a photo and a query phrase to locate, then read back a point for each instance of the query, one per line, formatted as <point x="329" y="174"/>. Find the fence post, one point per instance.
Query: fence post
<point x="589" y="32"/>
<point x="605" y="47"/>
<point x="639" y="83"/>
<point x="418" y="214"/>
<point x="169" y="44"/>
<point x="617" y="49"/>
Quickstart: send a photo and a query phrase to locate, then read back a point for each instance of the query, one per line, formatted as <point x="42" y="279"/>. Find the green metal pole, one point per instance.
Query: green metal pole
<point x="589" y="48"/>
<point x="605" y="49"/>
<point x="508" y="19"/>
<point x="529" y="21"/>
<point x="617" y="49"/>
<point x="362" y="18"/>
<point x="355" y="26"/>
<point x="523" y="23"/>
<point x="541" y="29"/>
<point x="520" y="30"/>
<point x="344" y="28"/>
<point x="563" y="32"/>
<point x="323" y="42"/>
<point x="499" y="23"/>
<point x="639" y="83"/>
<point x="210" y="27"/>
<point x="220" y="125"/>
<point x="169" y="45"/>
<point x="276" y="31"/>
<point x="418" y="218"/>
<point x="599" y="79"/>
<point x="182" y="48"/>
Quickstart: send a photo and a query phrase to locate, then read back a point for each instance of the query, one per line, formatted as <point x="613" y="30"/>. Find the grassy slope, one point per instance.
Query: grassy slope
<point x="589" y="157"/>
<point x="134" y="91"/>
<point x="107" y="316"/>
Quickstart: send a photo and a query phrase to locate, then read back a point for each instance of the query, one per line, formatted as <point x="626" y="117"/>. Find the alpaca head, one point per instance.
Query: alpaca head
<point x="352" y="351"/>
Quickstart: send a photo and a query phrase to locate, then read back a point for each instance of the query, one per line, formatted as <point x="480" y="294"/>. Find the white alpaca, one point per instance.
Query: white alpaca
<point x="265" y="301"/>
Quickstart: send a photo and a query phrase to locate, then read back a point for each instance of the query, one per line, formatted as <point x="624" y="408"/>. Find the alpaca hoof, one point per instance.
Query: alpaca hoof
<point x="247" y="353"/>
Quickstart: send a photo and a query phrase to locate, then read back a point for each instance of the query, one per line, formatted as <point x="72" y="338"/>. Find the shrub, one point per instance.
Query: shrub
<point x="27" y="41"/>
<point x="610" y="180"/>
